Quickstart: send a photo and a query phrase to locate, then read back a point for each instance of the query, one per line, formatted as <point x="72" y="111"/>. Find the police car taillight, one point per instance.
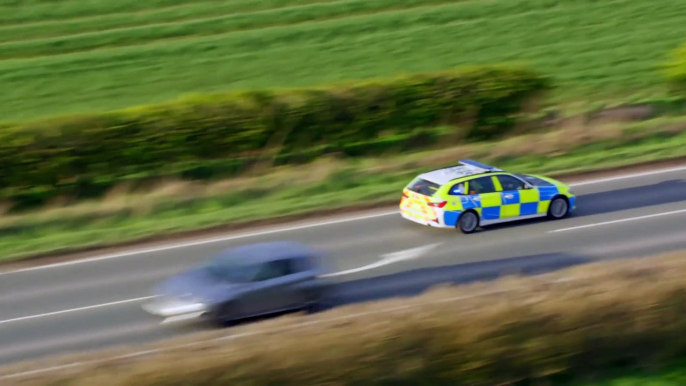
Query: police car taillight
<point x="438" y="204"/>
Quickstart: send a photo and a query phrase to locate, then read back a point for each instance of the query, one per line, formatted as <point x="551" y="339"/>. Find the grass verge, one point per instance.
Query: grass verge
<point x="574" y="325"/>
<point x="326" y="185"/>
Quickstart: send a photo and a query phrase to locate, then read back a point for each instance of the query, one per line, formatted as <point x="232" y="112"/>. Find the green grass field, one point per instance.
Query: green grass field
<point x="82" y="56"/>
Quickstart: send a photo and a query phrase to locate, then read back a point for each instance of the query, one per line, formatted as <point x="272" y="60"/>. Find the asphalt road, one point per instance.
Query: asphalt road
<point x="95" y="303"/>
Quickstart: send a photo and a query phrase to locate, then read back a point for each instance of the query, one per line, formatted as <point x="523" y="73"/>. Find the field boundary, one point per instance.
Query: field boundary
<point x="295" y="221"/>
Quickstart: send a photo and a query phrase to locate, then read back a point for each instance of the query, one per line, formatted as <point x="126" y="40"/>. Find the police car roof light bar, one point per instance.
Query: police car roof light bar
<point x="480" y="165"/>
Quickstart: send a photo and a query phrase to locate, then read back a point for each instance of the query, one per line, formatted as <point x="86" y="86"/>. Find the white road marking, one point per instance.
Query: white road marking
<point x="390" y="258"/>
<point x="296" y="227"/>
<point x="629" y="176"/>
<point x="200" y="242"/>
<point x="387" y="259"/>
<point x="619" y="221"/>
<point x="23" y="318"/>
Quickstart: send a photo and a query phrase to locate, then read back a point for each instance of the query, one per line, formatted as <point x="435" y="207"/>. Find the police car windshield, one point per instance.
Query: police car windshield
<point x="424" y="187"/>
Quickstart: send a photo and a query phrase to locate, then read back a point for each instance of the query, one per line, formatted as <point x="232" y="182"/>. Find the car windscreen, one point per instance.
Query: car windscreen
<point x="231" y="270"/>
<point x="424" y="187"/>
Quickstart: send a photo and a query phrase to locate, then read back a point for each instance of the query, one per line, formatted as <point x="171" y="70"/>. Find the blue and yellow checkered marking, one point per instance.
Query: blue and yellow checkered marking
<point x="450" y="217"/>
<point x="468" y="202"/>
<point x="491" y="213"/>
<point x="548" y="192"/>
<point x="528" y="209"/>
<point x="511" y="201"/>
<point x="497" y="206"/>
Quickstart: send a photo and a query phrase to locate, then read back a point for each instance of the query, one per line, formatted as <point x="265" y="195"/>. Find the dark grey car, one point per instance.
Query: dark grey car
<point x="242" y="282"/>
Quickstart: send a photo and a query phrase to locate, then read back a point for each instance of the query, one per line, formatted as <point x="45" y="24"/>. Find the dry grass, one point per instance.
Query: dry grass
<point x="572" y="133"/>
<point x="124" y="199"/>
<point x="560" y="140"/>
<point x="577" y="321"/>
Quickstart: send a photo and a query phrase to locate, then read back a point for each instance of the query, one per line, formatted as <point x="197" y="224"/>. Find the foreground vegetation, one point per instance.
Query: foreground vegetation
<point x="674" y="375"/>
<point x="578" y="324"/>
<point x="328" y="184"/>
<point x="74" y="58"/>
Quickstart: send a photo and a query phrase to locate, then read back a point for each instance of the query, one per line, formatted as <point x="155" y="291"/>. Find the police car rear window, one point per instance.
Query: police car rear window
<point x="424" y="187"/>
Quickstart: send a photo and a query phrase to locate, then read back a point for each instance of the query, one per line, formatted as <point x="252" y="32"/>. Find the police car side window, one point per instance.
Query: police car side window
<point x="457" y="189"/>
<point x="481" y="185"/>
<point x="510" y="183"/>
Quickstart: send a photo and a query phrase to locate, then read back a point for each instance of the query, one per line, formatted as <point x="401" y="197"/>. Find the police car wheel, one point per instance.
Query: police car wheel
<point x="468" y="223"/>
<point x="558" y="208"/>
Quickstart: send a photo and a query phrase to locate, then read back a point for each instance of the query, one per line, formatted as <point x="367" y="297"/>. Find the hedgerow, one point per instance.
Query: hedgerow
<point x="222" y="135"/>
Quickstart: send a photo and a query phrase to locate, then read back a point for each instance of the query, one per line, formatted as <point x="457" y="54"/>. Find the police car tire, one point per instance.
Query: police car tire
<point x="461" y="222"/>
<point x="550" y="208"/>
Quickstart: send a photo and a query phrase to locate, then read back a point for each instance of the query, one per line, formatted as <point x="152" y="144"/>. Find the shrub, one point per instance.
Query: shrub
<point x="222" y="135"/>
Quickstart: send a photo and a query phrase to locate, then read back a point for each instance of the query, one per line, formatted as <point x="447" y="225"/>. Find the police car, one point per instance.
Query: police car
<point x="471" y="194"/>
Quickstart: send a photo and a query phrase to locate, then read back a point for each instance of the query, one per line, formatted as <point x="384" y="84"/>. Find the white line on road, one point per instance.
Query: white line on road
<point x="390" y="258"/>
<point x="619" y="221"/>
<point x="295" y="227"/>
<point x="387" y="259"/>
<point x="75" y="310"/>
<point x="629" y="176"/>
<point x="200" y="242"/>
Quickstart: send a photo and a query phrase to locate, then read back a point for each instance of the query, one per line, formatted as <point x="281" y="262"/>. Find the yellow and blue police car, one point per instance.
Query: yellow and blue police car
<point x="472" y="195"/>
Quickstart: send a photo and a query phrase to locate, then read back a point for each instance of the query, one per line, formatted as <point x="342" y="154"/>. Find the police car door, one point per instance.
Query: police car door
<point x="482" y="190"/>
<point x="517" y="201"/>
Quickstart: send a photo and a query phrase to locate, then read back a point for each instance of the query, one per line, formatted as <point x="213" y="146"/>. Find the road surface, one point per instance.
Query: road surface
<point x="95" y="303"/>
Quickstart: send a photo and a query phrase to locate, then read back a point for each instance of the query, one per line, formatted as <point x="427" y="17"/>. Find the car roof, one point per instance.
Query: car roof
<point x="465" y="168"/>
<point x="265" y="251"/>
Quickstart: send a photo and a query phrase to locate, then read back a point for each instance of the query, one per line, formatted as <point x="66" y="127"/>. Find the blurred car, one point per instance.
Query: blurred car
<point x="242" y="282"/>
<point x="472" y="194"/>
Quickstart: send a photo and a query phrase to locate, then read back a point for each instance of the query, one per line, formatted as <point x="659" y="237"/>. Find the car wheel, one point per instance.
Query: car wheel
<point x="468" y="223"/>
<point x="558" y="209"/>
